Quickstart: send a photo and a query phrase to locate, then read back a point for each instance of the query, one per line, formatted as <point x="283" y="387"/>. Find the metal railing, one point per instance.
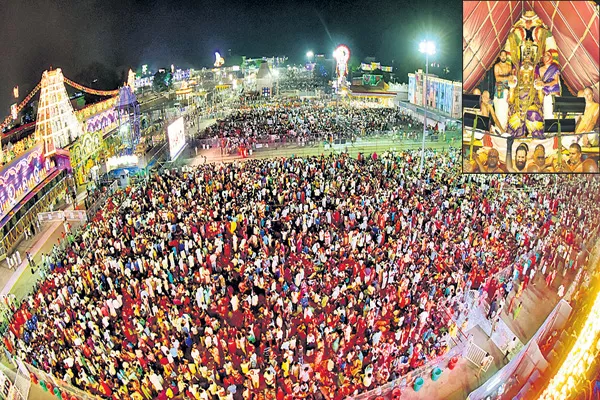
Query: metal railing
<point x="301" y="146"/>
<point x="408" y="378"/>
<point x="63" y="386"/>
<point x="13" y="236"/>
<point x="99" y="203"/>
<point x="57" y="216"/>
<point x="22" y="381"/>
<point x="476" y="355"/>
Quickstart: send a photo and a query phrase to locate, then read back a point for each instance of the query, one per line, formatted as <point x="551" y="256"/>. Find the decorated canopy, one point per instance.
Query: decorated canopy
<point x="573" y="24"/>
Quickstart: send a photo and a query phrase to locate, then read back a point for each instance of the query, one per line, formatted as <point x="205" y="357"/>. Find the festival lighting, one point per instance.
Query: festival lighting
<point x="218" y="59"/>
<point x="310" y="55"/>
<point x="57" y="125"/>
<point x="341" y="55"/>
<point x="579" y="359"/>
<point x="22" y="104"/>
<point x="131" y="79"/>
<point x="16" y="92"/>
<point x="13" y="111"/>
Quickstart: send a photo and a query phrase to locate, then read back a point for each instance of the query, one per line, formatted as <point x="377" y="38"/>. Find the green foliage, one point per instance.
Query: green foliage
<point x="162" y="81"/>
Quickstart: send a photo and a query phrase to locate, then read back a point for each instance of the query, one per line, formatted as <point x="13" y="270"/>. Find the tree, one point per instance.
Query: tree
<point x="162" y="81"/>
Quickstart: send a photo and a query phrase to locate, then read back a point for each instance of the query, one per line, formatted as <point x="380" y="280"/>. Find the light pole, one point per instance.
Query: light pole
<point x="427" y="47"/>
<point x="275" y="73"/>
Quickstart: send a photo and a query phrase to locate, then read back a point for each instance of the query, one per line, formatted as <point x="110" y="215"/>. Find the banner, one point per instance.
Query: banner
<point x="20" y="176"/>
<point x="371" y="80"/>
<point x="176" y="136"/>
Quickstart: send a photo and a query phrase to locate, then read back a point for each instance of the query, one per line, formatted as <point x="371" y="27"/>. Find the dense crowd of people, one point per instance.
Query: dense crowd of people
<point x="304" y="122"/>
<point x="294" y="278"/>
<point x="293" y="80"/>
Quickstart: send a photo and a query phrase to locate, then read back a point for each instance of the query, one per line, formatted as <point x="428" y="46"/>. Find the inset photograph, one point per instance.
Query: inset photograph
<point x="530" y="87"/>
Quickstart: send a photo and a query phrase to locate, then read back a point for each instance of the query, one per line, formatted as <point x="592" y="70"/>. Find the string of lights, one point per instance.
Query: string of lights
<point x="23" y="103"/>
<point x="69" y="82"/>
<point x="91" y="91"/>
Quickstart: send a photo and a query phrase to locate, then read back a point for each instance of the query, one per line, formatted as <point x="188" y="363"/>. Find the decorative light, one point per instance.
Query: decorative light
<point x="131" y="79"/>
<point x="16" y="92"/>
<point x="341" y="55"/>
<point x="579" y="358"/>
<point x="310" y="55"/>
<point x="56" y="123"/>
<point x="13" y="111"/>
<point x="218" y="59"/>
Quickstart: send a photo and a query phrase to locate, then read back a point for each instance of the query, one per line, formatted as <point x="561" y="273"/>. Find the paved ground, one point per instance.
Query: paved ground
<point x="456" y="384"/>
<point x="538" y="302"/>
<point x="20" y="280"/>
<point x="366" y="147"/>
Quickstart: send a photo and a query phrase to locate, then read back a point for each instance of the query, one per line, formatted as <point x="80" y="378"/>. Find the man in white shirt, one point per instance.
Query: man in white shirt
<point x="510" y="347"/>
<point x="156" y="382"/>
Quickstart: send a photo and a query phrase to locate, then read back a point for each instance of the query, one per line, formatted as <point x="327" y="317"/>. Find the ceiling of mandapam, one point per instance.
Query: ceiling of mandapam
<point x="574" y="25"/>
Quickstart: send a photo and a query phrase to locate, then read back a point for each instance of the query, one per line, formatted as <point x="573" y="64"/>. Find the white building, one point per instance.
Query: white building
<point x="265" y="80"/>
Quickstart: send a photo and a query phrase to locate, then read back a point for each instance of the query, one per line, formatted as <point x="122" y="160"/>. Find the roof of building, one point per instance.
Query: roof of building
<point x="264" y="71"/>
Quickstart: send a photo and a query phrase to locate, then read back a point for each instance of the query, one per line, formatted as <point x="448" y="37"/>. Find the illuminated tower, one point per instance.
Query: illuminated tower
<point x="131" y="79"/>
<point x="56" y="125"/>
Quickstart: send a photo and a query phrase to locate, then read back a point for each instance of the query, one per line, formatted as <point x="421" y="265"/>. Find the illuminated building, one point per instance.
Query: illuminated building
<point x="57" y="124"/>
<point x="444" y="95"/>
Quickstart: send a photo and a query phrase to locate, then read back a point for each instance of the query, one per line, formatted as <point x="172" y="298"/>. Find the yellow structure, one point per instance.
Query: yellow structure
<point x="379" y="94"/>
<point x="86" y="153"/>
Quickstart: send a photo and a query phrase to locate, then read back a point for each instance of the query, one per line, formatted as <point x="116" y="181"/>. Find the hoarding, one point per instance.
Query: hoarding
<point x="20" y="176"/>
<point x="176" y="136"/>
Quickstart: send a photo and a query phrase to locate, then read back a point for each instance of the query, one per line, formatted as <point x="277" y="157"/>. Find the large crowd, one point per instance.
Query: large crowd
<point x="294" y="278"/>
<point x="293" y="81"/>
<point x="303" y="122"/>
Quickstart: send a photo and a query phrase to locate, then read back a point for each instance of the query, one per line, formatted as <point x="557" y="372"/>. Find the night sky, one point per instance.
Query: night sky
<point x="74" y="34"/>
